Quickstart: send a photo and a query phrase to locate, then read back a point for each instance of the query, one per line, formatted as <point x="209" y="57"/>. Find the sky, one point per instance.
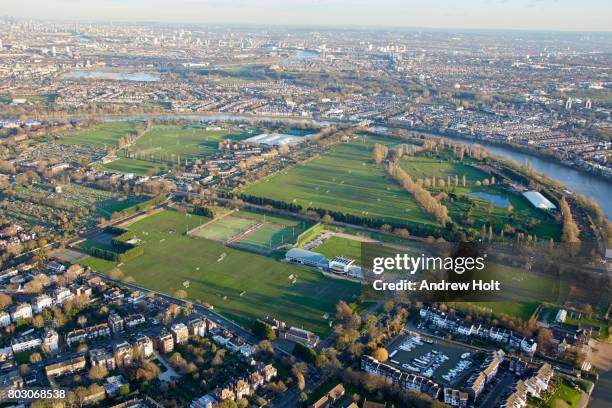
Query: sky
<point x="549" y="15"/>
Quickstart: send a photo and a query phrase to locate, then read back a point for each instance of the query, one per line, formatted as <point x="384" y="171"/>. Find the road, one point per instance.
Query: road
<point x="602" y="360"/>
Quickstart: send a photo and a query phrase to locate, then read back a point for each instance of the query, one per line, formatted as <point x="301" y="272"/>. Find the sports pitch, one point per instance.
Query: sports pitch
<point x="268" y="236"/>
<point x="157" y="150"/>
<point x="251" y="229"/>
<point x="241" y="285"/>
<point x="104" y="134"/>
<point x="345" y="179"/>
<point x="224" y="229"/>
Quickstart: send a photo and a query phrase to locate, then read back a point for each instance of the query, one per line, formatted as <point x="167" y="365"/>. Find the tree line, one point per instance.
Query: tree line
<point x="430" y="204"/>
<point x="571" y="232"/>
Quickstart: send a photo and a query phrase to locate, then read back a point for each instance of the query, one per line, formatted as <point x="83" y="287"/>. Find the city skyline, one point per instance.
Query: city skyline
<point x="541" y="15"/>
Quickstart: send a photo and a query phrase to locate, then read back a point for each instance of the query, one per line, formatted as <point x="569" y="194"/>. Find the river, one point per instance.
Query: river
<point x="577" y="181"/>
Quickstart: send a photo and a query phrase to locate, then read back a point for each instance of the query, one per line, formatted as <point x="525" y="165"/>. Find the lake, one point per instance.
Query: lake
<point x="300" y="55"/>
<point x="112" y="75"/>
<point x="498" y="200"/>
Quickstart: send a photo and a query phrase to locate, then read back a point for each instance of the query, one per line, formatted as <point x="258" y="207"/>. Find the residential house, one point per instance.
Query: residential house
<point x="113" y="385"/>
<point x="302" y="336"/>
<point x="406" y="381"/>
<point x="455" y="398"/>
<point x="116" y="323"/>
<point x="475" y="384"/>
<point x="42" y="302"/>
<point x="76" y="336"/>
<point x="242" y="389"/>
<point x="144" y="345"/>
<point x="225" y="393"/>
<point x="62" y="295"/>
<point x="123" y="354"/>
<point x="490" y="366"/>
<point x="98" y="330"/>
<point x="21" y="311"/>
<point x="330" y="398"/>
<point x="101" y="357"/>
<point x="165" y="342"/>
<point x="5" y="319"/>
<point x="180" y="332"/>
<point x="197" y="327"/>
<point x="269" y="372"/>
<point x="68" y="366"/>
<point x="256" y="379"/>
<point x="25" y="343"/>
<point x="134" y="320"/>
<point x="50" y="341"/>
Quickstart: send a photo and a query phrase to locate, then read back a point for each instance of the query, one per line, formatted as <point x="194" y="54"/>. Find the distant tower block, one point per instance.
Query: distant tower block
<point x="568" y="104"/>
<point x="588" y="104"/>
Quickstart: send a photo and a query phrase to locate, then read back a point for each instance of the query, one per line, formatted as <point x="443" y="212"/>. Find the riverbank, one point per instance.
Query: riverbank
<point x="512" y="146"/>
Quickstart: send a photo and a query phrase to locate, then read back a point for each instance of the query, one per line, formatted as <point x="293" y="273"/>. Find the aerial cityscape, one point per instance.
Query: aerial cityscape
<point x="200" y="212"/>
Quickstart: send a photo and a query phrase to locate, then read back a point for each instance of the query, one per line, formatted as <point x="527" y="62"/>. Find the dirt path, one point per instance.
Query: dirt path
<point x="131" y="221"/>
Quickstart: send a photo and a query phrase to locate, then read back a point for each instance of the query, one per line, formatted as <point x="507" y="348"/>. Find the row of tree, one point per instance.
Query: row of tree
<point x="571" y="232"/>
<point x="422" y="196"/>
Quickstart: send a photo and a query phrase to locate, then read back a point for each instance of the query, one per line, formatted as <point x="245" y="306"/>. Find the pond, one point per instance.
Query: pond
<point x="498" y="200"/>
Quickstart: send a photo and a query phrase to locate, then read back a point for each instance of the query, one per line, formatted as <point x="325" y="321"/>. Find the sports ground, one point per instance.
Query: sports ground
<point x="239" y="284"/>
<point x="158" y="149"/>
<point x="165" y="146"/>
<point x="249" y="229"/>
<point x="105" y="134"/>
<point x="523" y="214"/>
<point x="345" y="179"/>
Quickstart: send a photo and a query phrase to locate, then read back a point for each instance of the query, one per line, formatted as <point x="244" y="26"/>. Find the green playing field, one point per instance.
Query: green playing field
<point x="224" y="228"/>
<point x="240" y="284"/>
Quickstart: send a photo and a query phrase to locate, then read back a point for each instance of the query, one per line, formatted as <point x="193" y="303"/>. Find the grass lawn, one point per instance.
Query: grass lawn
<point x="224" y="228"/>
<point x="163" y="146"/>
<point x="337" y="246"/>
<point x="344" y="179"/>
<point x="110" y="206"/>
<point x="136" y="166"/>
<point x="565" y="396"/>
<point x="523" y="215"/>
<point x="167" y="143"/>
<point x="44" y="98"/>
<point x="269" y="236"/>
<point x="241" y="285"/>
<point x="522" y="310"/>
<point x="270" y="218"/>
<point x="104" y="134"/>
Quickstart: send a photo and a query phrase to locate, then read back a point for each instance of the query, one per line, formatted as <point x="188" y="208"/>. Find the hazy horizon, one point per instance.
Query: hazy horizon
<point x="546" y="15"/>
